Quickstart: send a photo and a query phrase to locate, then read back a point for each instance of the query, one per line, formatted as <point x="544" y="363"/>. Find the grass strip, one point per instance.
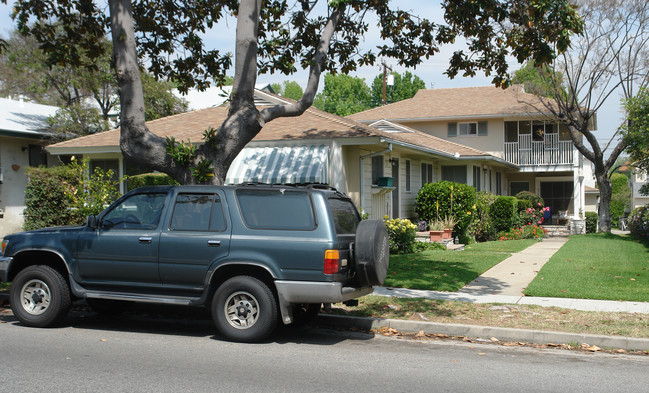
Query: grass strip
<point x="507" y="316"/>
<point x="596" y="266"/>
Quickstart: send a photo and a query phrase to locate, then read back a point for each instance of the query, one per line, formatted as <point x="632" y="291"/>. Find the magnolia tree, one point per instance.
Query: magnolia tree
<point x="166" y="36"/>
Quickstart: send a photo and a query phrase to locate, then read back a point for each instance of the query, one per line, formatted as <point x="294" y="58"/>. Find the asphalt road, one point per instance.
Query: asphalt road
<point x="179" y="354"/>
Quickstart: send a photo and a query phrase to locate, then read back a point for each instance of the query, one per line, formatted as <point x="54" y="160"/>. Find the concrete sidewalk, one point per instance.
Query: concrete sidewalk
<point x="505" y="283"/>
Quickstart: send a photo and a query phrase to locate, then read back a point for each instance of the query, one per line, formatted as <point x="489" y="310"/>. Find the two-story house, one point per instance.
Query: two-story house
<point x="508" y="124"/>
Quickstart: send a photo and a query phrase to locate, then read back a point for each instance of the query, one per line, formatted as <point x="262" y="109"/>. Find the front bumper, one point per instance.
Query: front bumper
<point x="4" y="268"/>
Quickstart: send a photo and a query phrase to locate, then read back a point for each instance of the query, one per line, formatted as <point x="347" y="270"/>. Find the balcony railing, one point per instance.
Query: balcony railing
<point x="550" y="151"/>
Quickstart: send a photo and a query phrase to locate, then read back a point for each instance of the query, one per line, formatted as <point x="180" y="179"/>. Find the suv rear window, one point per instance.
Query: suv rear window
<point x="344" y="215"/>
<point x="276" y="209"/>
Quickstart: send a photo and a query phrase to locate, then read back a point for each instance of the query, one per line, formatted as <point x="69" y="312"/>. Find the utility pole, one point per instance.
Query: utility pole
<point x="385" y="73"/>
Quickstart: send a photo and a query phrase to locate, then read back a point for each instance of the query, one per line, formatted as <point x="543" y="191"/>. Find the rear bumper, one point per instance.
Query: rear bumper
<point x="4" y="268"/>
<point x="317" y="292"/>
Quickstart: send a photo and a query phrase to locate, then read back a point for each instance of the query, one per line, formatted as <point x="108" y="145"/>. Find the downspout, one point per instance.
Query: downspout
<point x="362" y="160"/>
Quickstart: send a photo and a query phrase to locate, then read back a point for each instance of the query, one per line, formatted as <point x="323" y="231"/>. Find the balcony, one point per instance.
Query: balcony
<point x="549" y="151"/>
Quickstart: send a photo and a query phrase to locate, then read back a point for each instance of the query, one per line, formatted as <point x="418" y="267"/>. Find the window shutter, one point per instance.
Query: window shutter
<point x="482" y="128"/>
<point x="452" y="129"/>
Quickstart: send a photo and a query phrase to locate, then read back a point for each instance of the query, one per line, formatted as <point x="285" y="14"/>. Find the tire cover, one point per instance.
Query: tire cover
<point x="372" y="252"/>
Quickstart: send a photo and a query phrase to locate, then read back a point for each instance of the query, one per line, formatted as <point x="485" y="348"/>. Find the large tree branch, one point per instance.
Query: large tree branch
<point x="296" y="109"/>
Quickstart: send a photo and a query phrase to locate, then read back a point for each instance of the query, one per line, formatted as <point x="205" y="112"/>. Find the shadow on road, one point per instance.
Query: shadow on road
<point x="185" y="321"/>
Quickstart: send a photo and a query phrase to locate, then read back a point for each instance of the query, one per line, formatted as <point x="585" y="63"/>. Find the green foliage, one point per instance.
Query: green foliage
<point x="620" y="197"/>
<point x="209" y="136"/>
<point x="203" y="171"/>
<point x="47" y="199"/>
<point x="638" y="222"/>
<point x="591" y="222"/>
<point x="405" y="86"/>
<point x="181" y="154"/>
<point x="402" y="235"/>
<point x="428" y="246"/>
<point x="540" y="81"/>
<point x="482" y="228"/>
<point x="77" y="119"/>
<point x="343" y="95"/>
<point x="67" y="194"/>
<point x="534" y="199"/>
<point x="529" y="231"/>
<point x="438" y="200"/>
<point x="503" y="213"/>
<point x="289" y="89"/>
<point x="150" y="179"/>
<point x="159" y="100"/>
<point x="636" y="132"/>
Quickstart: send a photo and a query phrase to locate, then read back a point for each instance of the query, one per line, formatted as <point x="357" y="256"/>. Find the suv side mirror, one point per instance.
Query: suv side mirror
<point x="91" y="221"/>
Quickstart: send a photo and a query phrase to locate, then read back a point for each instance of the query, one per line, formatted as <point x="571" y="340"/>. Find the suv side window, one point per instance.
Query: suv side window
<point x="198" y="212"/>
<point x="344" y="214"/>
<point x="276" y="209"/>
<point x="139" y="211"/>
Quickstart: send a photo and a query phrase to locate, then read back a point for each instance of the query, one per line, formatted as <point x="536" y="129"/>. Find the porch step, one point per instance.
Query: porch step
<point x="557" y="230"/>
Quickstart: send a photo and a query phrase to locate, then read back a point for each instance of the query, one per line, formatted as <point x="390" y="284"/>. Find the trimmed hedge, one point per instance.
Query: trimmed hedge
<point x="435" y="201"/>
<point x="591" y="222"/>
<point x="504" y="213"/>
<point x="150" y="179"/>
<point x="48" y="199"/>
<point x="530" y="196"/>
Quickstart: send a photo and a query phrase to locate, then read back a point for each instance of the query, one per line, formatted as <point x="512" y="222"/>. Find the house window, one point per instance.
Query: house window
<point x="407" y="175"/>
<point x="518" y="186"/>
<point x="511" y="131"/>
<point x="37" y="156"/>
<point x="377" y="169"/>
<point x="468" y="128"/>
<point x="499" y="183"/>
<point x="426" y="173"/>
<point x="476" y="178"/>
<point x="454" y="173"/>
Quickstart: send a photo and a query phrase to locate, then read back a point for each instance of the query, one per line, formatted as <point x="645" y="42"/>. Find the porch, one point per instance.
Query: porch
<point x="550" y="150"/>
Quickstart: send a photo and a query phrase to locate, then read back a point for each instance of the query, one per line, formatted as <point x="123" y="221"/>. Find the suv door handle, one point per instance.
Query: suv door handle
<point x="213" y="243"/>
<point x="145" y="239"/>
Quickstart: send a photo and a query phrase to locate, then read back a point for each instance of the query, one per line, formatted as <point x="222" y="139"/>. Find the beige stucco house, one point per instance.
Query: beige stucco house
<point x="506" y="124"/>
<point x="23" y="133"/>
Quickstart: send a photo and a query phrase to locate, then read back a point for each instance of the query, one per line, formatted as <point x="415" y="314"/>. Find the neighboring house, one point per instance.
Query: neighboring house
<point x="637" y="178"/>
<point x="23" y="133"/>
<point x="507" y="125"/>
<point x="381" y="167"/>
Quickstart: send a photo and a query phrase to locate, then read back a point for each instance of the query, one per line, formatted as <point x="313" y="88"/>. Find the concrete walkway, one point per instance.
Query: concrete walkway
<point x="505" y="283"/>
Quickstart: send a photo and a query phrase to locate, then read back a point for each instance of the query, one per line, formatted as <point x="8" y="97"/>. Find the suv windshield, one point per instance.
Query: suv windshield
<point x="344" y="214"/>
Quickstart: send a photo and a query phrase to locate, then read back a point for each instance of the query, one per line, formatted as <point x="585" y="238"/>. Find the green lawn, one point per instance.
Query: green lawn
<point x="596" y="266"/>
<point x="444" y="270"/>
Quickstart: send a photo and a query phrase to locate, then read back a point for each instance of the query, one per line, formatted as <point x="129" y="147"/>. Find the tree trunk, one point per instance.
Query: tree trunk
<point x="605" y="193"/>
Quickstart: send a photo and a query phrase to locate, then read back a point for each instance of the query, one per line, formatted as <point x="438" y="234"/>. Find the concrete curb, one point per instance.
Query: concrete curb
<point x="486" y="332"/>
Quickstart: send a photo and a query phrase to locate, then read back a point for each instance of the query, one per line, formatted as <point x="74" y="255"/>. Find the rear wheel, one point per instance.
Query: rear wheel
<point x="40" y="296"/>
<point x="372" y="252"/>
<point x="244" y="309"/>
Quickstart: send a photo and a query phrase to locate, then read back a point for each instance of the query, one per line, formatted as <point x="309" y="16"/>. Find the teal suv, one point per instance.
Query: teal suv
<point x="253" y="254"/>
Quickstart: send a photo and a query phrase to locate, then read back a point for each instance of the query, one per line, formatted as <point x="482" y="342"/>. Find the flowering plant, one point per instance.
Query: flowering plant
<point x="533" y="215"/>
<point x="526" y="232"/>
<point x="401" y="233"/>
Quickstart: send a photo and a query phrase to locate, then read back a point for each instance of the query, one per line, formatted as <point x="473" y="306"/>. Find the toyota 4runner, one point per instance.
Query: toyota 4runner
<point x="251" y="253"/>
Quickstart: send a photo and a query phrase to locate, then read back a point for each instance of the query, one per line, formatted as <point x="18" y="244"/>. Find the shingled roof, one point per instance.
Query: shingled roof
<point x="313" y="124"/>
<point x="463" y="102"/>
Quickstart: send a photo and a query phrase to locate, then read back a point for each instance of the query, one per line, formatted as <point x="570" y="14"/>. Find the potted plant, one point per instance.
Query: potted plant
<point x="436" y="231"/>
<point x="449" y="223"/>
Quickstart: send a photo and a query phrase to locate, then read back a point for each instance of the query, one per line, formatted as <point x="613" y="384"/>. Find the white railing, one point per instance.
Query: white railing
<point x="550" y="151"/>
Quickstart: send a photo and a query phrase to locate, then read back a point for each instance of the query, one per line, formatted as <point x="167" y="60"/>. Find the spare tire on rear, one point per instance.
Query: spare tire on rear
<point x="372" y="252"/>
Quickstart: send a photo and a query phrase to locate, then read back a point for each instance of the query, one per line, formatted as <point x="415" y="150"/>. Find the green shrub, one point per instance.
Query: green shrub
<point x="66" y="195"/>
<point x="620" y="198"/>
<point x="503" y="213"/>
<point x="428" y="246"/>
<point x="435" y="201"/>
<point x="638" y="222"/>
<point x="525" y="232"/>
<point x="150" y="179"/>
<point x="47" y="197"/>
<point x="532" y="197"/>
<point x="523" y="205"/>
<point x="591" y="222"/>
<point x="482" y="228"/>
<point x="402" y="234"/>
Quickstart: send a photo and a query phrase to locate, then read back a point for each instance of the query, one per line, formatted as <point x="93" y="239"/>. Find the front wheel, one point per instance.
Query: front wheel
<point x="40" y="296"/>
<point x="244" y="309"/>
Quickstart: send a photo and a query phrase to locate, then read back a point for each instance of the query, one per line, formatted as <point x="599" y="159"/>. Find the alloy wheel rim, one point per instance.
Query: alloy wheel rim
<point x="35" y="297"/>
<point x="241" y="310"/>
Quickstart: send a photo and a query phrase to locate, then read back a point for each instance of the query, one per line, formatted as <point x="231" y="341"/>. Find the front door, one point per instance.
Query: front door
<point x="124" y="247"/>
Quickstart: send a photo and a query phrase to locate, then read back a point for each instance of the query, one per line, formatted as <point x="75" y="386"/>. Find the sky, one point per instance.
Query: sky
<point x="431" y="70"/>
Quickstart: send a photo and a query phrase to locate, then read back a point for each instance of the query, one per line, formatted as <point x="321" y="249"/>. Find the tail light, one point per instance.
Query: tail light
<point x="332" y="262"/>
